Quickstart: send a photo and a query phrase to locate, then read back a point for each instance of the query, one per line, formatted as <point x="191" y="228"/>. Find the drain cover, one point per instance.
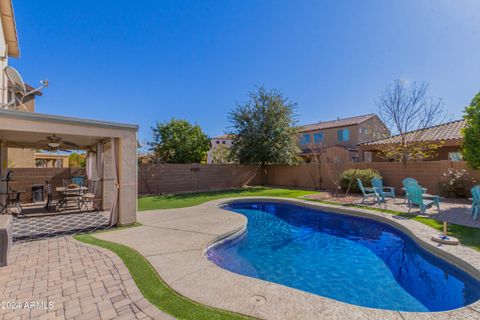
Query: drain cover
<point x="258" y="300"/>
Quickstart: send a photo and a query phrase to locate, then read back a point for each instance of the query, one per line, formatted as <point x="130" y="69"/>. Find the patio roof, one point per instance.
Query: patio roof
<point x="27" y="130"/>
<point x="117" y="169"/>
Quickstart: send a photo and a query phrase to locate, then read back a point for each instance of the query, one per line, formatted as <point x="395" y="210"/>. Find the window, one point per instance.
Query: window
<point x="363" y="130"/>
<point x="343" y="135"/>
<point x="218" y="142"/>
<point x="455" y="156"/>
<point x="367" y="156"/>
<point x="223" y="142"/>
<point x="318" y="137"/>
<point x="305" y="139"/>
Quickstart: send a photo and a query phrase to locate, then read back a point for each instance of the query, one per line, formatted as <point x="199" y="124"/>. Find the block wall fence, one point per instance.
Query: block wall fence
<point x="183" y="178"/>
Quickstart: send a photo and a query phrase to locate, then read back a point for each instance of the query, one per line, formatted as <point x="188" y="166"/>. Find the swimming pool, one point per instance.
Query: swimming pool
<point x="350" y="259"/>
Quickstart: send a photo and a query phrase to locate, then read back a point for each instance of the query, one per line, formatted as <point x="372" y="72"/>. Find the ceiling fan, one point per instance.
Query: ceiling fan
<point x="55" y="143"/>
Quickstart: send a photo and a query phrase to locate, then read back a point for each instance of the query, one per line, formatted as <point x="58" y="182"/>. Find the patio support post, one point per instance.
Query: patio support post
<point x="127" y="179"/>
<point x="3" y="169"/>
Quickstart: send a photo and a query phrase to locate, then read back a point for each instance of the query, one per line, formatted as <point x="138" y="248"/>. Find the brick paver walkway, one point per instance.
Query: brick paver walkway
<point x="61" y="278"/>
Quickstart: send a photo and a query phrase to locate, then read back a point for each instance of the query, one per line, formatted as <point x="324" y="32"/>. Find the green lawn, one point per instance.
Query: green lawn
<point x="155" y="290"/>
<point x="467" y="235"/>
<point x="192" y="199"/>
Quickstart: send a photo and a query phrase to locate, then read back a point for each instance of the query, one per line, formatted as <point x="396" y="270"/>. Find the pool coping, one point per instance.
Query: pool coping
<point x="190" y="273"/>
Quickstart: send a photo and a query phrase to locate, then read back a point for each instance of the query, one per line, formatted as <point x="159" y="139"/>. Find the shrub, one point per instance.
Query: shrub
<point x="455" y="184"/>
<point x="365" y="175"/>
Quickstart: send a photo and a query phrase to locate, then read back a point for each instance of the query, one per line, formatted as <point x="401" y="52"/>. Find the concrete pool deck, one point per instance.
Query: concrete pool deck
<point x="174" y="242"/>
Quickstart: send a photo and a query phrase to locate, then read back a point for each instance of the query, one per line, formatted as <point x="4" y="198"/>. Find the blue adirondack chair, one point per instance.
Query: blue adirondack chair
<point x="415" y="198"/>
<point x="368" y="192"/>
<point x="383" y="192"/>
<point x="475" y="202"/>
<point x="409" y="181"/>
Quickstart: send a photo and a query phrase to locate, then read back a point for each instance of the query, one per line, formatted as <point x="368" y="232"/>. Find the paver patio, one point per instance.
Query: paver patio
<point x="81" y="282"/>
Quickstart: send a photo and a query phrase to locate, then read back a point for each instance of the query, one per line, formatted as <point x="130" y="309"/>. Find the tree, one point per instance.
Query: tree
<point x="178" y="141"/>
<point x="77" y="160"/>
<point x="263" y="129"/>
<point x="471" y="133"/>
<point x="221" y="154"/>
<point x="336" y="159"/>
<point x="406" y="109"/>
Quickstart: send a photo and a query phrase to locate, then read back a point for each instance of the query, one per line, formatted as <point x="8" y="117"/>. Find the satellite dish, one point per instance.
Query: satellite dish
<point x="18" y="88"/>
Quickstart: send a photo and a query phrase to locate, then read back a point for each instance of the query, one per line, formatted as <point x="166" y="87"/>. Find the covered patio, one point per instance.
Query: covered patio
<point x="111" y="170"/>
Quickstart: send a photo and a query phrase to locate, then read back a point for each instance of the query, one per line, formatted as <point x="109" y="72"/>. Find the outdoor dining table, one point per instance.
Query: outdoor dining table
<point x="69" y="193"/>
<point x="70" y="190"/>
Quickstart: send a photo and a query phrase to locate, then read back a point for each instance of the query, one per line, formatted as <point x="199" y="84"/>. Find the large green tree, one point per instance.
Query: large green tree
<point x="471" y="133"/>
<point x="263" y="129"/>
<point x="178" y="141"/>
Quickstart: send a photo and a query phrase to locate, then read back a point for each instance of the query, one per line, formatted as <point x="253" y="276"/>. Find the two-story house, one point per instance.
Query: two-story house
<point x="346" y="133"/>
<point x="223" y="142"/>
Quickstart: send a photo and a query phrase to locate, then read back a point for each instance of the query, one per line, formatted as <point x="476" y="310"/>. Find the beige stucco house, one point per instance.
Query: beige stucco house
<point x="223" y="141"/>
<point x="345" y="133"/>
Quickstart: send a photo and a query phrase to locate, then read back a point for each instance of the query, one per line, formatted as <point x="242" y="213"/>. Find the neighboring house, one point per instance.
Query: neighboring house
<point x="51" y="160"/>
<point x="221" y="142"/>
<point x="447" y="135"/>
<point x="346" y="133"/>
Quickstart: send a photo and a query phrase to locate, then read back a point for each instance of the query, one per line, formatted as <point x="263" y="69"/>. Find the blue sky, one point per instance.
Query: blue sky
<point x="147" y="60"/>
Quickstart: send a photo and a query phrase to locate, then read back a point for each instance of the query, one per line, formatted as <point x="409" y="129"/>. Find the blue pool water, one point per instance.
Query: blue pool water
<point x="350" y="259"/>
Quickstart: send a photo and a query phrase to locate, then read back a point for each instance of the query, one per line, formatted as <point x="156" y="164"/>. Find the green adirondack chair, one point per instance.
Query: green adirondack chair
<point x="475" y="202"/>
<point x="415" y="198"/>
<point x="368" y="192"/>
<point x="383" y="192"/>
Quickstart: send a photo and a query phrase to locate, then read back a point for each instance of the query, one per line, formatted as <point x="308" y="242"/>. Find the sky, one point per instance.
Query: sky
<point x="146" y="61"/>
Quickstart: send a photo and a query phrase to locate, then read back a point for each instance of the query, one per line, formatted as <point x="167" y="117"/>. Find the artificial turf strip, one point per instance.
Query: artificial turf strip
<point x="155" y="290"/>
<point x="192" y="199"/>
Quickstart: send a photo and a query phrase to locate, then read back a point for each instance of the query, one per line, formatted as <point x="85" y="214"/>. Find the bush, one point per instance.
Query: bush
<point x="365" y="175"/>
<point x="455" y="184"/>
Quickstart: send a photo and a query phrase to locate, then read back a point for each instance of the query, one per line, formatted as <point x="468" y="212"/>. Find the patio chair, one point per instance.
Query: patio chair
<point x="475" y="202"/>
<point x="409" y="181"/>
<point x="368" y="192"/>
<point x="383" y="192"/>
<point x="69" y="197"/>
<point x="89" y="200"/>
<point x="416" y="198"/>
<point x="49" y="192"/>
<point x="80" y="181"/>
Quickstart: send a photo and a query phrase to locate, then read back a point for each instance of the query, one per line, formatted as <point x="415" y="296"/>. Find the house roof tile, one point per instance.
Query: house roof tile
<point x="335" y="123"/>
<point x="442" y="132"/>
